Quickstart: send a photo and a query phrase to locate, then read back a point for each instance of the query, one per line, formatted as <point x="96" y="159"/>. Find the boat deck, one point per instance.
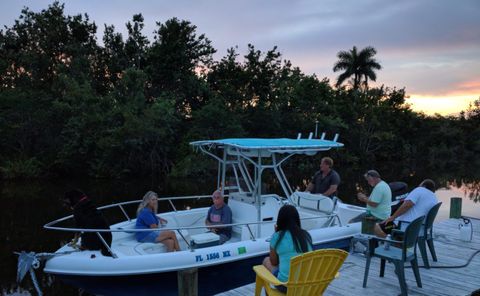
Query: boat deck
<point x="451" y="251"/>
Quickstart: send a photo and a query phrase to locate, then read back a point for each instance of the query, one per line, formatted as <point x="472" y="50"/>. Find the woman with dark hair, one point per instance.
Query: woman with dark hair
<point x="289" y="240"/>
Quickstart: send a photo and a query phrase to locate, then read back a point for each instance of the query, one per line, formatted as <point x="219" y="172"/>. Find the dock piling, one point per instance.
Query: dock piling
<point x="455" y="207"/>
<point x="187" y="280"/>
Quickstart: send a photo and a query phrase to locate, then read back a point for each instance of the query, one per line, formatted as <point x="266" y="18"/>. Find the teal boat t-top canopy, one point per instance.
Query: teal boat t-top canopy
<point x="278" y="145"/>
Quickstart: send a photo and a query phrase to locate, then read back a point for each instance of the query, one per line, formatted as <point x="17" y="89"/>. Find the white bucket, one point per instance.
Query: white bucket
<point x="466" y="230"/>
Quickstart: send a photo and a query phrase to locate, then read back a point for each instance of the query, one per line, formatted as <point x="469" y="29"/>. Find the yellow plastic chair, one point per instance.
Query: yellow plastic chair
<point x="310" y="273"/>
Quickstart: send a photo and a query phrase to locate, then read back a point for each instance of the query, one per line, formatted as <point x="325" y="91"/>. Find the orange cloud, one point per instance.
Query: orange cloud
<point x="472" y="86"/>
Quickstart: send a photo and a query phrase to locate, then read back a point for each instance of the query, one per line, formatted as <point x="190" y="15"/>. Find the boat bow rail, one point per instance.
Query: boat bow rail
<point x="181" y="230"/>
<point x="53" y="225"/>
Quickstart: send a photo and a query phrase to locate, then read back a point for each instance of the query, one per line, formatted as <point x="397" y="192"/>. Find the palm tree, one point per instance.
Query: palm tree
<point x="359" y="65"/>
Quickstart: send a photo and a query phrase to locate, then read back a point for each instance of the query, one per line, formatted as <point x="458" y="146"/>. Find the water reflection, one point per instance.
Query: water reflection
<point x="465" y="187"/>
<point x="27" y="206"/>
<point x="472" y="190"/>
<point x="353" y="181"/>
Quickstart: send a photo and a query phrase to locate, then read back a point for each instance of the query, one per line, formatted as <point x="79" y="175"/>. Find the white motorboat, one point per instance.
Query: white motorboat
<point x="146" y="268"/>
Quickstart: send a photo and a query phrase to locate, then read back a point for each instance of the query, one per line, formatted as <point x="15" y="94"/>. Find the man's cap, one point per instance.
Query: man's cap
<point x="372" y="173"/>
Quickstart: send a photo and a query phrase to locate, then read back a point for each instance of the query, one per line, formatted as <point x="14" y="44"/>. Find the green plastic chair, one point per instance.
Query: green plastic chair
<point x="426" y="235"/>
<point x="398" y="253"/>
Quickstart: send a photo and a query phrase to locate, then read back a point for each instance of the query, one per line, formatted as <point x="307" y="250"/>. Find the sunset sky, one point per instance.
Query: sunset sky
<point x="430" y="47"/>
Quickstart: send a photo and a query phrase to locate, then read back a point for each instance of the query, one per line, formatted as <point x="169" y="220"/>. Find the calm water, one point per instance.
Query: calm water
<point x="27" y="206"/>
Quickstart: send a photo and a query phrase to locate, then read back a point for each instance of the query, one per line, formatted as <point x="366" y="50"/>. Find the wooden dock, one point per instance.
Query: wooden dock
<point x="451" y="251"/>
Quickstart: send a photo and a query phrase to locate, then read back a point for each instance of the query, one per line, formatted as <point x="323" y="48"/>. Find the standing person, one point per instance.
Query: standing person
<point x="87" y="216"/>
<point x="326" y="180"/>
<point x="417" y="203"/>
<point x="289" y="240"/>
<point x="147" y="218"/>
<point x="379" y="202"/>
<point x="219" y="213"/>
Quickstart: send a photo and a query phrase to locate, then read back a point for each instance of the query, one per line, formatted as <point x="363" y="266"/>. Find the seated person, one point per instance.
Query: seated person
<point x="289" y="240"/>
<point x="87" y="216"/>
<point x="147" y="218"/>
<point x="380" y="200"/>
<point x="326" y="180"/>
<point x="416" y="204"/>
<point x="219" y="213"/>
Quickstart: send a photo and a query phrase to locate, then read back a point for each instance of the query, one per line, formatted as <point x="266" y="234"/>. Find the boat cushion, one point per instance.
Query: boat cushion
<point x="203" y="240"/>
<point x="317" y="202"/>
<point x="131" y="226"/>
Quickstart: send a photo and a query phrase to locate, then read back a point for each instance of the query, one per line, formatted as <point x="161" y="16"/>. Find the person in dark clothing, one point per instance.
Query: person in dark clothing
<point x="326" y="180"/>
<point x="87" y="216"/>
<point x="219" y="213"/>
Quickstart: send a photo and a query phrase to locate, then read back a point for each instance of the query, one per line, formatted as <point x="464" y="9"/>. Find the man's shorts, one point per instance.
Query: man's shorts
<point x="388" y="227"/>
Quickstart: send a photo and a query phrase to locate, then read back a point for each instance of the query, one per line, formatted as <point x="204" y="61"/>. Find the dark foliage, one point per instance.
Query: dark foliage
<point x="70" y="106"/>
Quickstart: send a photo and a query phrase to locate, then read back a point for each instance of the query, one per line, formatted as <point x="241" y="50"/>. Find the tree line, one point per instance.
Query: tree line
<point x="72" y="105"/>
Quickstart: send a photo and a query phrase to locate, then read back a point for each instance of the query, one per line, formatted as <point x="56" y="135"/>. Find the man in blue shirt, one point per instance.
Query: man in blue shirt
<point x="220" y="213"/>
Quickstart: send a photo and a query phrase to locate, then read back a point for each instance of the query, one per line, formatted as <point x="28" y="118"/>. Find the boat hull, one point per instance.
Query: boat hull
<point x="211" y="279"/>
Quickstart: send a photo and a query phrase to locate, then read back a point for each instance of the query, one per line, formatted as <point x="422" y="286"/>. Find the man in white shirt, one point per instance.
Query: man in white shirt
<point x="417" y="204"/>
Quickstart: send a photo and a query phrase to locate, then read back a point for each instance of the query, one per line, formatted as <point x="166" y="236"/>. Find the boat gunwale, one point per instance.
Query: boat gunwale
<point x="195" y="252"/>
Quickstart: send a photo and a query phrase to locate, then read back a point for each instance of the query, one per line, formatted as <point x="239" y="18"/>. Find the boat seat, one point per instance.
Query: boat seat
<point x="131" y="234"/>
<point x="311" y="201"/>
<point x="242" y="230"/>
<point x="236" y="228"/>
<point x="143" y="248"/>
<point x="130" y="242"/>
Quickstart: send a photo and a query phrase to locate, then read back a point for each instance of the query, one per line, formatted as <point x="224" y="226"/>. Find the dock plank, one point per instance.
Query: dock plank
<point x="441" y="281"/>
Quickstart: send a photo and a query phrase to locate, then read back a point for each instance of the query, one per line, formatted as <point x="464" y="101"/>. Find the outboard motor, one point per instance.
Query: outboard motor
<point x="399" y="193"/>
